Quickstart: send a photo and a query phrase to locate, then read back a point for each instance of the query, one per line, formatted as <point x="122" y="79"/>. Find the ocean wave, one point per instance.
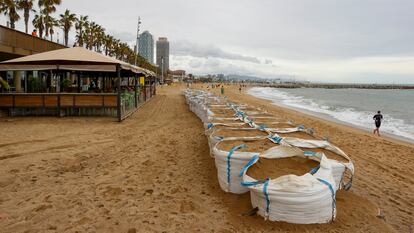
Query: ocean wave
<point x="349" y="115"/>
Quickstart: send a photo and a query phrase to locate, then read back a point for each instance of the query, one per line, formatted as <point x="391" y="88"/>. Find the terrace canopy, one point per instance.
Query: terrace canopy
<point x="72" y="59"/>
<point x="121" y="100"/>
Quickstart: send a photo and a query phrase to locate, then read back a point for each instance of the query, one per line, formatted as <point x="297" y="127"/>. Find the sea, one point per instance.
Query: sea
<point x="352" y="106"/>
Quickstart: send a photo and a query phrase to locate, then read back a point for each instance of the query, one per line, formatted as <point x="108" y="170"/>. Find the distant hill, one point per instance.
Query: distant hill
<point x="244" y="77"/>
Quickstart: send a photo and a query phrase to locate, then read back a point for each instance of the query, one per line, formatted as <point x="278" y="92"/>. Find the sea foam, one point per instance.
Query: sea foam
<point x="391" y="124"/>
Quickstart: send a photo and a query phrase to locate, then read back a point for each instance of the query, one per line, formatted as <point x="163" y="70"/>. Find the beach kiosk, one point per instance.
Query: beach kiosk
<point x="74" y="82"/>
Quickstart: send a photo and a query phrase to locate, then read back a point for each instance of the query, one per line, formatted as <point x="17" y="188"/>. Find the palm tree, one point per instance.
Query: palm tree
<point x="39" y="23"/>
<point x="51" y="23"/>
<point x="48" y="7"/>
<point x="80" y="25"/>
<point x="10" y="8"/>
<point x="66" y="22"/>
<point x="108" y="44"/>
<point x="27" y="6"/>
<point x="88" y="36"/>
<point x="99" y="36"/>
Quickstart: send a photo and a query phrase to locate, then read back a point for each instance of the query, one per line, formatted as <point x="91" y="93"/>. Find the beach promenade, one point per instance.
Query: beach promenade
<point x="153" y="173"/>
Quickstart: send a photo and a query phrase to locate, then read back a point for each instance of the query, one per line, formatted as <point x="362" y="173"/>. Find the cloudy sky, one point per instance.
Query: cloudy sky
<point x="366" y="41"/>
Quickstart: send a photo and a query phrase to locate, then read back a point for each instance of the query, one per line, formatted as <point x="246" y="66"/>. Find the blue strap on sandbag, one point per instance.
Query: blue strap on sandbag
<point x="249" y="164"/>
<point x="309" y="153"/>
<point x="218" y="137"/>
<point x="239" y="114"/>
<point x="332" y="193"/>
<point x="266" y="194"/>
<point x="314" y="170"/>
<point x="275" y="139"/>
<point x="228" y="160"/>
<point x="301" y="127"/>
<point x="262" y="127"/>
<point x="210" y="125"/>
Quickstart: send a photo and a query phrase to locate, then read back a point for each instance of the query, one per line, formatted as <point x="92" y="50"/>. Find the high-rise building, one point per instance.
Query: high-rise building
<point x="163" y="55"/>
<point x="146" y="46"/>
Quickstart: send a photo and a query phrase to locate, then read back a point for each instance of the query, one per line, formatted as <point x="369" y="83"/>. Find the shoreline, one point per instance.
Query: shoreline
<point x="383" y="165"/>
<point x="321" y="116"/>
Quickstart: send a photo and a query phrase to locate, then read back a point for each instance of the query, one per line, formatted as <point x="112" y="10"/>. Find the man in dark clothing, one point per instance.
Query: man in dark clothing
<point x="378" y="119"/>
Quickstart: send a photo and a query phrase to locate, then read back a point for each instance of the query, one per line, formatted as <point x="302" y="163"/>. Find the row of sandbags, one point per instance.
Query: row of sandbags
<point x="250" y="146"/>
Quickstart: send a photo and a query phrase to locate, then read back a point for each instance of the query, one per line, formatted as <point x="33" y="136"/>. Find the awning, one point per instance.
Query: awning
<point x="76" y="58"/>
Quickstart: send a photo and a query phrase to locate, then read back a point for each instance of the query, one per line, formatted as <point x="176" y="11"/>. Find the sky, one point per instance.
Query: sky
<point x="348" y="41"/>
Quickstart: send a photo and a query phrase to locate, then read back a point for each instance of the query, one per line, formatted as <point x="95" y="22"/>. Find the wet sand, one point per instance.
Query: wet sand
<point x="153" y="173"/>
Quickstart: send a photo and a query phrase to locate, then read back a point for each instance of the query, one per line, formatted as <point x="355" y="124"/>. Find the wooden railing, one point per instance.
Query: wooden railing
<point x="19" y="43"/>
<point x="75" y="104"/>
<point x="55" y="100"/>
<point x="59" y="104"/>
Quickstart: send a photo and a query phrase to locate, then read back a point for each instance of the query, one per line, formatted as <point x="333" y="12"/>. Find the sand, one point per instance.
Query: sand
<point x="258" y="146"/>
<point x="228" y="112"/>
<point x="265" y="119"/>
<point x="301" y="135"/>
<point x="276" y="125"/>
<point x="274" y="168"/>
<point x="241" y="126"/>
<point x="224" y="115"/>
<point x="329" y="154"/>
<point x="153" y="173"/>
<point x="225" y="133"/>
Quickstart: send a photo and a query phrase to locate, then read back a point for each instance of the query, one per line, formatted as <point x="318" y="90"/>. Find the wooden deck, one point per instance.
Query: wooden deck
<point x="55" y="100"/>
<point x="74" y="104"/>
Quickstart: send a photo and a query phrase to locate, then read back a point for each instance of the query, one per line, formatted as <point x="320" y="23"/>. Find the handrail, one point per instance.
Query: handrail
<point x="61" y="93"/>
<point x="20" y="40"/>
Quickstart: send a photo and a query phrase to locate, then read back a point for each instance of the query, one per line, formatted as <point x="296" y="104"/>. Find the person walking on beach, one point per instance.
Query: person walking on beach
<point x="240" y="88"/>
<point x="377" y="118"/>
<point x="222" y="89"/>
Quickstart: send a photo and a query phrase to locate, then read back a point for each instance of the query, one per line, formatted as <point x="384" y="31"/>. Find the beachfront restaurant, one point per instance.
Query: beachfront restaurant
<point x="73" y="82"/>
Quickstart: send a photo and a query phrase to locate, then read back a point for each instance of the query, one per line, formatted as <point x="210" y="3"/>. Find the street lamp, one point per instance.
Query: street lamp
<point x="137" y="42"/>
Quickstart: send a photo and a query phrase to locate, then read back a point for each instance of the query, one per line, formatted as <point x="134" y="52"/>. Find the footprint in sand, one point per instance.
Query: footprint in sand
<point x="187" y="207"/>
<point x="112" y="191"/>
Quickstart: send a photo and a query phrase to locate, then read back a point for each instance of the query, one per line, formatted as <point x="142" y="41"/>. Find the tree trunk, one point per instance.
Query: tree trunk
<point x="26" y="20"/>
<point x="66" y="37"/>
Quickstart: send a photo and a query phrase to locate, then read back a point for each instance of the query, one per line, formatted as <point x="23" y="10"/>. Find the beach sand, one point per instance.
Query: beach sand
<point x="153" y="173"/>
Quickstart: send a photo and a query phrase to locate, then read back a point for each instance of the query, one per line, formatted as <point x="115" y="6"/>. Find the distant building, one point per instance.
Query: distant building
<point x="163" y="54"/>
<point x="146" y="46"/>
<point x="177" y="75"/>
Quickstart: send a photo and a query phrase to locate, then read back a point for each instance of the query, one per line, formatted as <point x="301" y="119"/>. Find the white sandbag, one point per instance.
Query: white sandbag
<point x="339" y="168"/>
<point x="214" y="137"/>
<point x="229" y="164"/>
<point x="305" y="199"/>
<point x="211" y="126"/>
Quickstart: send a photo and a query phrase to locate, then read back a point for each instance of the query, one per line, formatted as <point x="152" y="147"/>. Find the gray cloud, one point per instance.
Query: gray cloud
<point x="187" y="48"/>
<point x="123" y="36"/>
<point x="303" y="36"/>
<point x="268" y="62"/>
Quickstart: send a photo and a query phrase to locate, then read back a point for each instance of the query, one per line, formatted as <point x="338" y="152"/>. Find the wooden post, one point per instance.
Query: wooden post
<point x="26" y="77"/>
<point x="136" y="90"/>
<point x="17" y="76"/>
<point x="79" y="80"/>
<point x="145" y="92"/>
<point x="58" y="91"/>
<point x="155" y="86"/>
<point x="104" y="83"/>
<point x="118" y="74"/>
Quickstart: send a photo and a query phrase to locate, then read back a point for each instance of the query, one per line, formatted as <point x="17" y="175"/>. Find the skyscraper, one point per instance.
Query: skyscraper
<point x="163" y="55"/>
<point x="146" y="46"/>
